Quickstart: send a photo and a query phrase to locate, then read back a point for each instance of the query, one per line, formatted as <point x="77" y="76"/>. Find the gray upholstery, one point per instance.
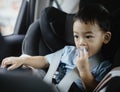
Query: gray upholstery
<point x="50" y="33"/>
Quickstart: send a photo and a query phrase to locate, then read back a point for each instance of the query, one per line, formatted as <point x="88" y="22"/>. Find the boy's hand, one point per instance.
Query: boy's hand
<point x="82" y="61"/>
<point x="12" y="63"/>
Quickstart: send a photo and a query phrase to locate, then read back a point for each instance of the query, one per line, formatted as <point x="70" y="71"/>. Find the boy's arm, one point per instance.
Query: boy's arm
<point x="87" y="78"/>
<point x="37" y="62"/>
<point x="34" y="61"/>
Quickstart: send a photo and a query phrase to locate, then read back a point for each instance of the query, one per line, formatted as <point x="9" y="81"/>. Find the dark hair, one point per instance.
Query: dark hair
<point x="94" y="13"/>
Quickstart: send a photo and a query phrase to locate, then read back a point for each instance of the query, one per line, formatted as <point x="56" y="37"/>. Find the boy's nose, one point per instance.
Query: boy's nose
<point x="82" y="42"/>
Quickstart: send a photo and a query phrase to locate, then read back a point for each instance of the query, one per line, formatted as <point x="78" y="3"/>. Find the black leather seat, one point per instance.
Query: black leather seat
<point x="116" y="37"/>
<point x="22" y="82"/>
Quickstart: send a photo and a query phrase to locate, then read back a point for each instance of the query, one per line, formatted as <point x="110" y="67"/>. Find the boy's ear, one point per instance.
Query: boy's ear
<point x="107" y="37"/>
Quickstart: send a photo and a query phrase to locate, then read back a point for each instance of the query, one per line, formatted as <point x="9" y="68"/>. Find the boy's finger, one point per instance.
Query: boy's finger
<point x="12" y="67"/>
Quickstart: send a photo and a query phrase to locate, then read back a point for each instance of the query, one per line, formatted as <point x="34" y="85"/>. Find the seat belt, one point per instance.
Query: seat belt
<point x="113" y="73"/>
<point x="67" y="80"/>
<point x="53" y="67"/>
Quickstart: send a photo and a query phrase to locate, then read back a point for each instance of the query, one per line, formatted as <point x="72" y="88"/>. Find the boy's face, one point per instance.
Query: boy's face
<point x="89" y="36"/>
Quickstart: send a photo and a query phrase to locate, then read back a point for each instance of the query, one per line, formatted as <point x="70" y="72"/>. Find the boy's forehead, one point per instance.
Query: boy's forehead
<point x="80" y="26"/>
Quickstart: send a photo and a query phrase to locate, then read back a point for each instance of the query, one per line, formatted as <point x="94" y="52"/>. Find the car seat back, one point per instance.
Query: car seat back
<point x="50" y="33"/>
<point x="116" y="37"/>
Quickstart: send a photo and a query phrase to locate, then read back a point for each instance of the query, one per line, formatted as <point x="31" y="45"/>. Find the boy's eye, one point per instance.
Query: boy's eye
<point x="89" y="36"/>
<point x="75" y="36"/>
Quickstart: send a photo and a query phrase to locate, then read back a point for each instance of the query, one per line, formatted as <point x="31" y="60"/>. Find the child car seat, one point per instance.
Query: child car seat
<point x="53" y="31"/>
<point x="49" y="33"/>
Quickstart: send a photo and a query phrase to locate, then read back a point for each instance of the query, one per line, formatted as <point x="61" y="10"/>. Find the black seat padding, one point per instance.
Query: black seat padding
<point x="111" y="5"/>
<point x="116" y="36"/>
<point x="50" y="33"/>
<point x="22" y="82"/>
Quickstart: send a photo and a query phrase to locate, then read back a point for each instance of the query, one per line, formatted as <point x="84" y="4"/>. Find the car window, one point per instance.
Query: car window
<point x="69" y="6"/>
<point x="8" y="14"/>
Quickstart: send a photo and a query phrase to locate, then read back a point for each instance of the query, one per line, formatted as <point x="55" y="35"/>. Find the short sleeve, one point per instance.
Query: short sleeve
<point x="100" y="71"/>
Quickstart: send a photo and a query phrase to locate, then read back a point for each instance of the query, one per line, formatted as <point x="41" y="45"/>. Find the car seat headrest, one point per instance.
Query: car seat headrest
<point x="54" y="31"/>
<point x="51" y="32"/>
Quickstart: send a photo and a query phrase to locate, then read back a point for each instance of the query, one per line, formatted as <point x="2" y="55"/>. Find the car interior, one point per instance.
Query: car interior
<point x="47" y="31"/>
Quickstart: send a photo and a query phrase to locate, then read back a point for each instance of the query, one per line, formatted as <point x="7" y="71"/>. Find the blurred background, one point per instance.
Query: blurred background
<point x="8" y="14"/>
